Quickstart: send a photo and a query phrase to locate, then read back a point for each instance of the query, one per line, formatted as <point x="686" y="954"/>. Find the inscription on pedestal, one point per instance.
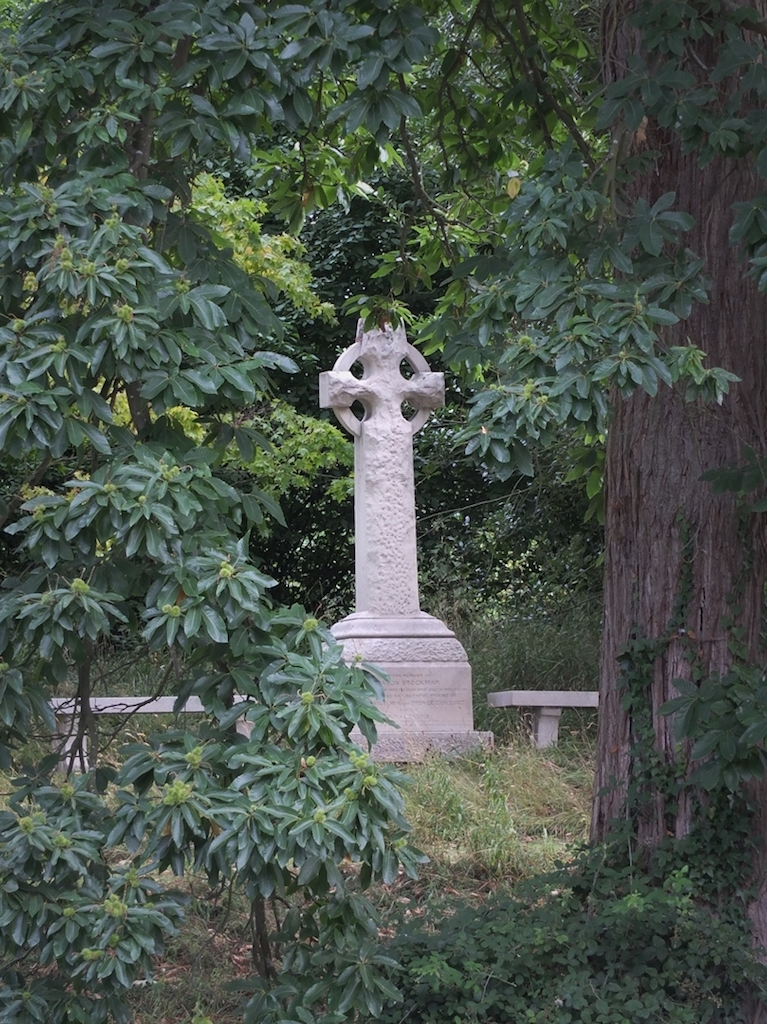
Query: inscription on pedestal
<point x="437" y="698"/>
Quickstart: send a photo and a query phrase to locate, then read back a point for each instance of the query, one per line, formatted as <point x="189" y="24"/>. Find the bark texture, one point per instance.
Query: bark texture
<point x="666" y="531"/>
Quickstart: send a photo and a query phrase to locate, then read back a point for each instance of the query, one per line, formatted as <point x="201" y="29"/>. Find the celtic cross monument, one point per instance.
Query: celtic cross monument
<point x="429" y="690"/>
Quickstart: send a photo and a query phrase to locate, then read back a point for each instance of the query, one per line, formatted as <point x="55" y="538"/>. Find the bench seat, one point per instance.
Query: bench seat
<point x="65" y="710"/>
<point x="63" y="706"/>
<point x="549" y="705"/>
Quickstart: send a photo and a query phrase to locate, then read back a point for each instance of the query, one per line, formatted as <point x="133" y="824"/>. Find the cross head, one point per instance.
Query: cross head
<point x="383" y="388"/>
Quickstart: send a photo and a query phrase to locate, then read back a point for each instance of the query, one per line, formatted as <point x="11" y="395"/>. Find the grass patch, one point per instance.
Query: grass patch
<point x="503" y="815"/>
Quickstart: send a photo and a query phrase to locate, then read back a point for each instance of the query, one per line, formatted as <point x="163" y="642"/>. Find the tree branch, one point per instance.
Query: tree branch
<point x="181" y="56"/>
<point x="546" y="95"/>
<point x="445" y="86"/>
<point x="421" y="194"/>
<point x="261" y="947"/>
<point x="139" y="408"/>
<point x="140" y="147"/>
<point x="86" y="720"/>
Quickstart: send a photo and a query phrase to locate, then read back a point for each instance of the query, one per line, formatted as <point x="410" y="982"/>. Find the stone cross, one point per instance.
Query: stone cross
<point x="384" y="489"/>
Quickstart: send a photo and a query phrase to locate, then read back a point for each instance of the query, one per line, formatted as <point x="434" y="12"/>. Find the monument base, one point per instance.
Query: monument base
<point x="428" y="690"/>
<point x="406" y="747"/>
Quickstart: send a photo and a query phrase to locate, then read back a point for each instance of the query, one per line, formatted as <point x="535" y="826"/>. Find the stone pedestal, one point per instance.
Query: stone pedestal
<point x="428" y="692"/>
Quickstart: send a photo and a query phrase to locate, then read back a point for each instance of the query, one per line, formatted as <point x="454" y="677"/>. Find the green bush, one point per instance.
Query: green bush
<point x="280" y="816"/>
<point x="589" y="944"/>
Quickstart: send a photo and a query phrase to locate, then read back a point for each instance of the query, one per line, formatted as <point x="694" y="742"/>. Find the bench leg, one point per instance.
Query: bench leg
<point x="63" y="743"/>
<point x="546" y="727"/>
<point x="243" y="728"/>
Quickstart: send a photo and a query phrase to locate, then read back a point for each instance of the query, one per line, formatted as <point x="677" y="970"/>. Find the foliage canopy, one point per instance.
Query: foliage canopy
<point x="138" y="336"/>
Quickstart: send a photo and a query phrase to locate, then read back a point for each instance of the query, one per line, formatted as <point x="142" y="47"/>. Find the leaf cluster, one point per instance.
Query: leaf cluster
<point x="94" y="927"/>
<point x="726" y="720"/>
<point x="569" y="305"/>
<point x="291" y="811"/>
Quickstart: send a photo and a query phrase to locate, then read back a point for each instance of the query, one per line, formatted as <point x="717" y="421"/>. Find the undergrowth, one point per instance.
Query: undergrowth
<point x="588" y="944"/>
<point x="482" y="821"/>
<point x="193" y="983"/>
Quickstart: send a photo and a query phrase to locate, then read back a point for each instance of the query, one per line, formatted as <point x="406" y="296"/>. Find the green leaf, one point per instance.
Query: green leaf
<point x="213" y="624"/>
<point x="154" y="259"/>
<point x="370" y="70"/>
<point x="303" y="106"/>
<point x="707" y="776"/>
<point x="210" y="315"/>
<point x="252" y="508"/>
<point x="239" y="380"/>
<point x="522" y="459"/>
<point x="706" y="744"/>
<point x="245" y="444"/>
<point x="660" y="316"/>
<point x="192" y="620"/>
<point x="619" y="260"/>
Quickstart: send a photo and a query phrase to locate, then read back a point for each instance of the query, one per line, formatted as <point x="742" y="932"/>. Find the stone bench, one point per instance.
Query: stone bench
<point x="549" y="704"/>
<point x="65" y="710"/>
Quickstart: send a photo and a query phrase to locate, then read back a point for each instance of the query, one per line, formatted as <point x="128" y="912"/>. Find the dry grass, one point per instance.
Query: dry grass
<point x="192" y="982"/>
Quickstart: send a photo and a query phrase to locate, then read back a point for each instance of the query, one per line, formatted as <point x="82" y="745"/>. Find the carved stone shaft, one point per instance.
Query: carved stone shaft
<point x="384" y="488"/>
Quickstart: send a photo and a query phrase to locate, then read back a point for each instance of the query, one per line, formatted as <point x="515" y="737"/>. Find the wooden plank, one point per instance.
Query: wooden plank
<point x="544" y="698"/>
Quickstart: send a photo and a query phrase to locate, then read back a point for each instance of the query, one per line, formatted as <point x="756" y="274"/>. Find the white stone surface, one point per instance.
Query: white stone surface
<point x="544" y="698"/>
<point x="428" y="696"/>
<point x="412" y="746"/>
<point x="429" y="688"/>
<point x="400" y="638"/>
<point x="386" y="570"/>
<point x="546" y="728"/>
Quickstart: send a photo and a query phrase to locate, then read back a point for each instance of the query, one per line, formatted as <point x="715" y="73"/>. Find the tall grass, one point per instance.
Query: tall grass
<point x="506" y="814"/>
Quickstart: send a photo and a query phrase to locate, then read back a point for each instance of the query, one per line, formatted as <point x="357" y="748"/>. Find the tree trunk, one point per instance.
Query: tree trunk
<point x="679" y="558"/>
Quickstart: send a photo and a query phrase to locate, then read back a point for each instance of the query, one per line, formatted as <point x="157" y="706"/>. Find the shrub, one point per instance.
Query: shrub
<point x="589" y="944"/>
<point x="83" y="910"/>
